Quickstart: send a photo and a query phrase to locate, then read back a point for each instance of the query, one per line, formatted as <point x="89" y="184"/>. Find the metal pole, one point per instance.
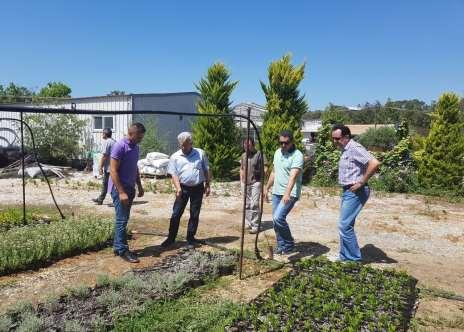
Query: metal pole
<point x="22" y="167"/>
<point x="245" y="190"/>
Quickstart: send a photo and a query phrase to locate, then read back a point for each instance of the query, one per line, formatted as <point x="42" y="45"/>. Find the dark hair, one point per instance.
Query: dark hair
<point x="139" y="127"/>
<point x="286" y="133"/>
<point x="249" y="139"/>
<point x="108" y="132"/>
<point x="344" y="129"/>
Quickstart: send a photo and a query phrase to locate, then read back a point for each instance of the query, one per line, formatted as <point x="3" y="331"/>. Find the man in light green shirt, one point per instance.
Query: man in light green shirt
<point x="286" y="180"/>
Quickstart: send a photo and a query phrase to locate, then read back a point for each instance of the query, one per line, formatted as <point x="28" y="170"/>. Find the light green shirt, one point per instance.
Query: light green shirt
<point x="283" y="164"/>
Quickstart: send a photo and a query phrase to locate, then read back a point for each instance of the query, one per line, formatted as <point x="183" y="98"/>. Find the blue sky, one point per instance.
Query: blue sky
<point x="355" y="51"/>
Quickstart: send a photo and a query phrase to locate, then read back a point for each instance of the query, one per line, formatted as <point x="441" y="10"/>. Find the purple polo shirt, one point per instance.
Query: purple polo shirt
<point x="128" y="155"/>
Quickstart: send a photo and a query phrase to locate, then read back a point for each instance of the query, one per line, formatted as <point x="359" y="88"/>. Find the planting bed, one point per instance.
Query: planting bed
<point x="11" y="217"/>
<point x="320" y="295"/>
<point x="99" y="308"/>
<point x="37" y="244"/>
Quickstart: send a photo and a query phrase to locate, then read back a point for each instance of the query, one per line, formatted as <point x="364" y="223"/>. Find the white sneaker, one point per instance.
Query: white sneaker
<point x="253" y="230"/>
<point x="333" y="258"/>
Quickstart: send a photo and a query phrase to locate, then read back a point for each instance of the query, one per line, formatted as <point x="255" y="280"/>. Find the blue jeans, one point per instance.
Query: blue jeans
<point x="195" y="195"/>
<point x="351" y="205"/>
<point x="122" y="214"/>
<point x="285" y="241"/>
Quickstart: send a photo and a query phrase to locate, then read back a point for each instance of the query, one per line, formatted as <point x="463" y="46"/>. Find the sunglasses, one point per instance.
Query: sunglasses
<point x="336" y="138"/>
<point x="284" y="142"/>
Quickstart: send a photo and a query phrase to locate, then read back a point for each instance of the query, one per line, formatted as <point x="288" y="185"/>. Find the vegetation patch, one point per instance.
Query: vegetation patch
<point x="36" y="245"/>
<point x="11" y="217"/>
<point x="98" y="308"/>
<point x="320" y="295"/>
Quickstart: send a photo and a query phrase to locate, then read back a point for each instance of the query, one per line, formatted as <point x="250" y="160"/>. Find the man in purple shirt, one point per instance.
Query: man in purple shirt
<point x="124" y="175"/>
<point x="355" y="168"/>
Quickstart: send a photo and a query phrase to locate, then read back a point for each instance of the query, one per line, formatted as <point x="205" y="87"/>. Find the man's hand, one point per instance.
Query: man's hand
<point x="178" y="193"/>
<point x="140" y="191"/>
<point x="207" y="190"/>
<point x="266" y="195"/>
<point x="356" y="186"/>
<point x="100" y="170"/>
<point x="124" y="199"/>
<point x="286" y="198"/>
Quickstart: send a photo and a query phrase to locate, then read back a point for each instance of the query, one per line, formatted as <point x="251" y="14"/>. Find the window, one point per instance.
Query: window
<point x="101" y="122"/>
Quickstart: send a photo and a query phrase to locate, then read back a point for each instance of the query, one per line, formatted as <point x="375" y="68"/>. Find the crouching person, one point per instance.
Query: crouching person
<point x="190" y="176"/>
<point x="124" y="176"/>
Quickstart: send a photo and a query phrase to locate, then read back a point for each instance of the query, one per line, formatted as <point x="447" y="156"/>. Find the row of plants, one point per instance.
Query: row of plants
<point x="118" y="300"/>
<point x="320" y="295"/>
<point x="38" y="244"/>
<point x="11" y="217"/>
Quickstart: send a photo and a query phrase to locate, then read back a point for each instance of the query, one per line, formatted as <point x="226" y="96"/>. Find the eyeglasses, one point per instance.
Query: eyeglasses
<point x="336" y="138"/>
<point x="284" y="142"/>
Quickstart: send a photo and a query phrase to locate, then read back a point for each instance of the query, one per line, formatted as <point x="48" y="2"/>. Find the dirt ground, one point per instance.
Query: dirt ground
<point x="421" y="235"/>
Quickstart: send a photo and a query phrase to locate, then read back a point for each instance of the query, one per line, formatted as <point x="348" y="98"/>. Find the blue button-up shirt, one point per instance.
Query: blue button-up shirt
<point x="190" y="169"/>
<point x="353" y="163"/>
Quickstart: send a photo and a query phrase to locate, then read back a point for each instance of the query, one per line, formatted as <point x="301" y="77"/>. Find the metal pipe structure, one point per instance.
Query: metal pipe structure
<point x="42" y="110"/>
<point x="22" y="168"/>
<point x="245" y="190"/>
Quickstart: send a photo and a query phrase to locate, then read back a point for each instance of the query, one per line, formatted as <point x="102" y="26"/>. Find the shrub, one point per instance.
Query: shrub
<point x="442" y="162"/>
<point x="29" y="246"/>
<point x="382" y="137"/>
<point x="326" y="158"/>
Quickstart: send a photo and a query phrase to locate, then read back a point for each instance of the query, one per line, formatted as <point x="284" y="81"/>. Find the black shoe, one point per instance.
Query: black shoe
<point x="97" y="201"/>
<point x="195" y="241"/>
<point x="115" y="252"/>
<point x="277" y="251"/>
<point x="167" y="243"/>
<point x="129" y="257"/>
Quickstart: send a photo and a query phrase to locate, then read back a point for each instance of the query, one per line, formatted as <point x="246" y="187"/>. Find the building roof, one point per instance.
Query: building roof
<point x="358" y="129"/>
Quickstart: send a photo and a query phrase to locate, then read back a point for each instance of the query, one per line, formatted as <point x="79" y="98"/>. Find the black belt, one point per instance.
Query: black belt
<point x="191" y="187"/>
<point x="348" y="186"/>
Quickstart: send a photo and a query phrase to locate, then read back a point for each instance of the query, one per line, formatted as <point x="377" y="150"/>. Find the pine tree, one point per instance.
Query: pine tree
<point x="442" y="163"/>
<point x="285" y="106"/>
<point x="218" y="136"/>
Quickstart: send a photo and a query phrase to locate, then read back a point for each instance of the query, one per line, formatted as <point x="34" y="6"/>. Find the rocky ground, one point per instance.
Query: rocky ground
<point x="421" y="235"/>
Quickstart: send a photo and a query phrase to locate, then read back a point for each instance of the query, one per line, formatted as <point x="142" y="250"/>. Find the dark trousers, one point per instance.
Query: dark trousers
<point x="104" y="190"/>
<point x="195" y="194"/>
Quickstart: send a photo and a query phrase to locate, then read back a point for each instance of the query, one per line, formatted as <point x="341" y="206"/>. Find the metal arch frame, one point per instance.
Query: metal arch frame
<point x="42" y="110"/>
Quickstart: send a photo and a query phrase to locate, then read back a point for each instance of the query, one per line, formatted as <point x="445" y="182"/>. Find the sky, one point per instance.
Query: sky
<point x="355" y="51"/>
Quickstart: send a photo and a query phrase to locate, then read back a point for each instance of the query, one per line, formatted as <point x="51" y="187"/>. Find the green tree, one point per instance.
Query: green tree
<point x="381" y="137"/>
<point x="151" y="141"/>
<point x="284" y="103"/>
<point x="116" y="93"/>
<point x="326" y="158"/>
<point x="218" y="136"/>
<point x="14" y="93"/>
<point x="55" y="90"/>
<point x="442" y="162"/>
<point x="335" y="114"/>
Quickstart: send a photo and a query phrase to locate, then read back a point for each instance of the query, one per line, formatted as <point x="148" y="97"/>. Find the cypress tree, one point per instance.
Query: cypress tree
<point x="219" y="137"/>
<point x="285" y="106"/>
<point x="442" y="163"/>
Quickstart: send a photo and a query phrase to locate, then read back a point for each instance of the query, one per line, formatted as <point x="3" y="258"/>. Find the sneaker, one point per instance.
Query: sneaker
<point x="97" y="201"/>
<point x="288" y="252"/>
<point x="195" y="241"/>
<point x="277" y="251"/>
<point x="129" y="256"/>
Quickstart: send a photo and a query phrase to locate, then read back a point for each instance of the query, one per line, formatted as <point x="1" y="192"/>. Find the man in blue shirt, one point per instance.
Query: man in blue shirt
<point x="190" y="174"/>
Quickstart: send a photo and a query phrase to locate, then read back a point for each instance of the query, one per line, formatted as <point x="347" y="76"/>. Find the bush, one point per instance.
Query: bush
<point x="326" y="158"/>
<point x="383" y="137"/>
<point x="30" y="246"/>
<point x="442" y="161"/>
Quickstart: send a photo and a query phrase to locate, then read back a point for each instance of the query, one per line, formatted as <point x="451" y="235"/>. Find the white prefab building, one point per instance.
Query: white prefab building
<point x="167" y="126"/>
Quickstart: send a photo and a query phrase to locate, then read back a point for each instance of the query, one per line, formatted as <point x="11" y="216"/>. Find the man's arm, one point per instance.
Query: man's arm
<point x="372" y="167"/>
<point x="294" y="172"/>
<point x="139" y="185"/>
<point x="207" y="182"/>
<point x="103" y="160"/>
<point x="269" y="184"/>
<point x="114" y="167"/>
<point x="176" y="184"/>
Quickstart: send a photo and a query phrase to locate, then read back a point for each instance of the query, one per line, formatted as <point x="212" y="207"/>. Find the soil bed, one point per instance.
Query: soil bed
<point x="98" y="308"/>
<point x="320" y="295"/>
